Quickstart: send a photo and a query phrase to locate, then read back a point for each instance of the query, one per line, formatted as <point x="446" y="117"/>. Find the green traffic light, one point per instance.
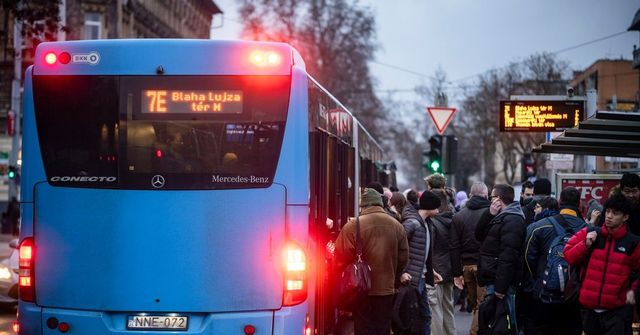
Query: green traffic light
<point x="11" y="174"/>
<point x="435" y="166"/>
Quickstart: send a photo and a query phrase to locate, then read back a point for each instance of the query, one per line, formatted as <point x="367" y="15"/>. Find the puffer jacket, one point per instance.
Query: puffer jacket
<point x="419" y="234"/>
<point x="540" y="234"/>
<point x="502" y="237"/>
<point x="441" y="239"/>
<point x="610" y="262"/>
<point x="465" y="248"/>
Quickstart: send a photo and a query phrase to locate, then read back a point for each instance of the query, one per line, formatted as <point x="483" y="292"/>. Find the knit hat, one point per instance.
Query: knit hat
<point x="461" y="196"/>
<point x="542" y="186"/>
<point x="370" y="197"/>
<point x="429" y="200"/>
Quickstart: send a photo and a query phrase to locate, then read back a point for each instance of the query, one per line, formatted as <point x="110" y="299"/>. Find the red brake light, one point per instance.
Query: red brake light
<point x="295" y="278"/>
<point x="262" y="58"/>
<point x="50" y="58"/>
<point x="249" y="329"/>
<point x="64" y="58"/>
<point x="26" y="255"/>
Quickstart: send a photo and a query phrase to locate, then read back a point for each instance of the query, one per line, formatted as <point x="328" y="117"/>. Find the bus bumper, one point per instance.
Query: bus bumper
<point x="288" y="320"/>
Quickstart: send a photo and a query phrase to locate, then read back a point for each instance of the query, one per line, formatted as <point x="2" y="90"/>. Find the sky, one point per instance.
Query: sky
<point x="468" y="37"/>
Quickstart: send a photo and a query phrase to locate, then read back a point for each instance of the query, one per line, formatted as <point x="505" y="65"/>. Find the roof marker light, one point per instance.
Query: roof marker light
<point x="274" y="58"/>
<point x="263" y="58"/>
<point x="50" y="58"/>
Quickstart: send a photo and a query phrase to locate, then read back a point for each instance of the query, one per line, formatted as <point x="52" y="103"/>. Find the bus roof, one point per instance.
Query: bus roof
<point x="165" y="56"/>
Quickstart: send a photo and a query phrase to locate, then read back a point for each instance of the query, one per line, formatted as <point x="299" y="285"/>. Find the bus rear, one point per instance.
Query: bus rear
<point x="157" y="189"/>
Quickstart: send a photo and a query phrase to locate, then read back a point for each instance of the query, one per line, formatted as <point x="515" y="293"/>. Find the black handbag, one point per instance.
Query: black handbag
<point x="355" y="281"/>
<point x="493" y="317"/>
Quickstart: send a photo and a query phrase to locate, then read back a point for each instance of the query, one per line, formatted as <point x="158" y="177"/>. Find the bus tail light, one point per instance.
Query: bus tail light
<point x="52" y="58"/>
<point x="307" y="325"/>
<point x="26" y="273"/>
<point x="295" y="277"/>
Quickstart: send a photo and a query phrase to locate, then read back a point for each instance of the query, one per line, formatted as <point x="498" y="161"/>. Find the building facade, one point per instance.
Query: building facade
<point x="616" y="81"/>
<point x="100" y="19"/>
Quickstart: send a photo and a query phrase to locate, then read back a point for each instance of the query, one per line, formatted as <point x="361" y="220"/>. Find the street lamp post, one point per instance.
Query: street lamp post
<point x="16" y="106"/>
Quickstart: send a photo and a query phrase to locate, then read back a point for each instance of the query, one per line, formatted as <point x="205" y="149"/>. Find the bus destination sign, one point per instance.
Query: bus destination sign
<point x="183" y="102"/>
<point x="540" y="116"/>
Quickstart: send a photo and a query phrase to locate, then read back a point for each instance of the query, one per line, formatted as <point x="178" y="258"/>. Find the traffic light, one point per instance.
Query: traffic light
<point x="12" y="172"/>
<point x="449" y="154"/>
<point x="435" y="154"/>
<point x="528" y="164"/>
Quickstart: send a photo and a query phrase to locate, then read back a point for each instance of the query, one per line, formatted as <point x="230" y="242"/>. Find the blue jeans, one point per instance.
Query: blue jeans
<point x="511" y="303"/>
<point x="425" y="310"/>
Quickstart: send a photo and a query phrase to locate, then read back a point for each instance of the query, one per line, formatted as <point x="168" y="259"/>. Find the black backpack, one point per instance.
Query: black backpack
<point x="406" y="318"/>
<point x="493" y="317"/>
<point x="560" y="281"/>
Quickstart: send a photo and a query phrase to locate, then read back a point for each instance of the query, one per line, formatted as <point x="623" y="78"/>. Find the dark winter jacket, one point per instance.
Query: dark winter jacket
<point x="420" y="245"/>
<point x="441" y="239"/>
<point x="634" y="221"/>
<point x="545" y="214"/>
<point x="501" y="237"/>
<point x="528" y="207"/>
<point x="610" y="262"/>
<point x="540" y="234"/>
<point x="465" y="248"/>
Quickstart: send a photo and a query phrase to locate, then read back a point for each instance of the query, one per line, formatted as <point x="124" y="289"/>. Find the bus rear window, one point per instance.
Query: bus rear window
<point x="153" y="132"/>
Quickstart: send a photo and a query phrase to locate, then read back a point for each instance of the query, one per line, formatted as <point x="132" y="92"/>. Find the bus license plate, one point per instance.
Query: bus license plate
<point x="157" y="322"/>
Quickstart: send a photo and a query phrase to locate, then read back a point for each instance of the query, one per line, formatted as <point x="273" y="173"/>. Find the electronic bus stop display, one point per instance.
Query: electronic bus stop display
<point x="190" y="101"/>
<point x="540" y="116"/>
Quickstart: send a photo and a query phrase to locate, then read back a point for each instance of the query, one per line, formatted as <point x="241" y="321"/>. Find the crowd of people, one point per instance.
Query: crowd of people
<point x="533" y="266"/>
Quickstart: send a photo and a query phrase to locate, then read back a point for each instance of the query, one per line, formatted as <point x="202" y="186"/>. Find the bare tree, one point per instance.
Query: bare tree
<point x="40" y="22"/>
<point x="337" y="40"/>
<point x="540" y="74"/>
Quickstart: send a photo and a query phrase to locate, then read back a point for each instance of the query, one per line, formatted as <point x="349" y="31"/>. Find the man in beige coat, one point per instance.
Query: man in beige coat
<point x="385" y="250"/>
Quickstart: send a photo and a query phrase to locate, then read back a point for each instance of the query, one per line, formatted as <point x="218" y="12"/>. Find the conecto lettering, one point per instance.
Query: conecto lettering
<point x="83" y="179"/>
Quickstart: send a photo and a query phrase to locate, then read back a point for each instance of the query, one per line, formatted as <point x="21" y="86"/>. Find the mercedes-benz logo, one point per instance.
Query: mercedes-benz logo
<point x="157" y="181"/>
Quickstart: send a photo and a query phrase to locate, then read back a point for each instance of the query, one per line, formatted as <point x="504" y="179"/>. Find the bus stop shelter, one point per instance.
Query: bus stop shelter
<point x="606" y="134"/>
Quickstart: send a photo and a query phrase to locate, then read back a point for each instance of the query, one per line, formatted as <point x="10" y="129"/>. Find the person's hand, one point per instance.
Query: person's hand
<point x="437" y="278"/>
<point x="594" y="216"/>
<point x="591" y="237"/>
<point x="458" y="282"/>
<point x="499" y="295"/>
<point x="331" y="247"/>
<point x="329" y="223"/>
<point x="496" y="206"/>
<point x="405" y="278"/>
<point x="631" y="297"/>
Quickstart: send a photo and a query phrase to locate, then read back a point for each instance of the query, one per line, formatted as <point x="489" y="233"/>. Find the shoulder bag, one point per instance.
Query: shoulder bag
<point x="355" y="280"/>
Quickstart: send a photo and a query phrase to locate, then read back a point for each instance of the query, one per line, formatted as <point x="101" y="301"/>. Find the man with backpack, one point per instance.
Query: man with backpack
<point x="552" y="306"/>
<point x="610" y="256"/>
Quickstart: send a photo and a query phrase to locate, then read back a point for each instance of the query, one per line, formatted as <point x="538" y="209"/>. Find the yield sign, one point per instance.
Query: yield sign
<point x="441" y="117"/>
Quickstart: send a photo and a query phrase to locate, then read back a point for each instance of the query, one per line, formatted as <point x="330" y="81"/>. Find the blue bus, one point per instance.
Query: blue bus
<point x="185" y="186"/>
